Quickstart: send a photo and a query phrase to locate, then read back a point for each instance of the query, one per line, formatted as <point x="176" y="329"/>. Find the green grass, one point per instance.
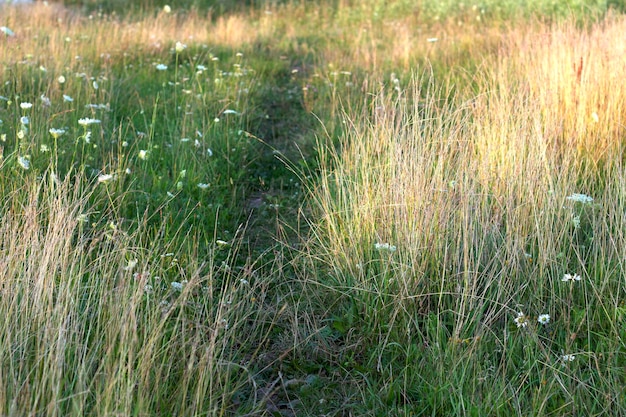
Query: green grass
<point x="312" y="208"/>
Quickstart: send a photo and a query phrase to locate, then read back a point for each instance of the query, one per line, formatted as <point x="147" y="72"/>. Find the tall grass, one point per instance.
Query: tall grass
<point x="304" y="208"/>
<point x="446" y="213"/>
<point x="93" y="326"/>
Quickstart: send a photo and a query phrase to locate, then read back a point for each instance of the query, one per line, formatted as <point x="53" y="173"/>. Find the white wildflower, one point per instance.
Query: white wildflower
<point x="385" y="246"/>
<point x="88" y="121"/>
<point x="180" y="47"/>
<point x="67" y="98"/>
<point x="6" y="31"/>
<point x="161" y="67"/>
<point x="45" y="101"/>
<point x="544" y="319"/>
<point x="56" y="132"/>
<point x="143" y="154"/>
<point x="570" y="277"/>
<point x="26" y="105"/>
<point x="521" y="320"/>
<point x="104" y="178"/>
<point x="580" y="198"/>
<point x="24" y="162"/>
<point x="203" y="186"/>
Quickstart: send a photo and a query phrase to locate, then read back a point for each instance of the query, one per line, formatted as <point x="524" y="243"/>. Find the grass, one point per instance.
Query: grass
<point x="312" y="208"/>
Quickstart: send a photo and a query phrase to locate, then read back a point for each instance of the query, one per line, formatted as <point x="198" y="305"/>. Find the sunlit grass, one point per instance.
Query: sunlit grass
<point x="304" y="208"/>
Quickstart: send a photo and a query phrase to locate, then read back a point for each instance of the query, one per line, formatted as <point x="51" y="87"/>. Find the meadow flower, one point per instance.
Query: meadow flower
<point x="88" y="121"/>
<point x="544" y="319"/>
<point x="26" y="105"/>
<point x="161" y="67"/>
<point x="95" y="85"/>
<point x="61" y="79"/>
<point x="45" y="101"/>
<point x="178" y="286"/>
<point x="385" y="246"/>
<point x="131" y="265"/>
<point x="229" y="111"/>
<point x="143" y="154"/>
<point x="180" y="47"/>
<point x="67" y="98"/>
<point x="521" y="320"/>
<point x="203" y="186"/>
<point x="24" y="162"/>
<point x="167" y="9"/>
<point x="568" y="358"/>
<point x="595" y="117"/>
<point x="104" y="178"/>
<point x="580" y="198"/>
<point x="56" y="132"/>
<point x="6" y="31"/>
<point x="570" y="277"/>
<point x="432" y="40"/>
<point x="43" y="148"/>
<point x="209" y="152"/>
<point x="24" y="120"/>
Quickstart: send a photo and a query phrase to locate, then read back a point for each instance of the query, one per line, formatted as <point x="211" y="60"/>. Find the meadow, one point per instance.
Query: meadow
<point x="313" y="208"/>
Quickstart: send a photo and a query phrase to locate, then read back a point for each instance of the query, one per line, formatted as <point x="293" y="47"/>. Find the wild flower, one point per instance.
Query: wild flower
<point x="104" y="178"/>
<point x="229" y="111"/>
<point x="576" y="222"/>
<point x="385" y="246"/>
<point x="26" y="105"/>
<point x="180" y="47"/>
<point x="244" y="281"/>
<point x="580" y="198"/>
<point x="178" y="286"/>
<point x="24" y="162"/>
<point x="88" y="121"/>
<point x="61" y="79"/>
<point x="568" y="358"/>
<point x="67" y="98"/>
<point x="161" y="67"/>
<point x="595" y="117"/>
<point x="209" y="152"/>
<point x="143" y="154"/>
<point x="95" y="85"/>
<point x="544" y="319"/>
<point x="167" y="9"/>
<point x="45" y="101"/>
<point x="132" y="263"/>
<point x="6" y="31"/>
<point x="56" y="132"/>
<point x="43" y="148"/>
<point x="432" y="40"/>
<point x="570" y="277"/>
<point x="24" y="120"/>
<point x="203" y="186"/>
<point x="521" y="320"/>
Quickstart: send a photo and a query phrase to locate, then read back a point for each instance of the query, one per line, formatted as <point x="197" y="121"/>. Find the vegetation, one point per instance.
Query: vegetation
<point x="312" y="208"/>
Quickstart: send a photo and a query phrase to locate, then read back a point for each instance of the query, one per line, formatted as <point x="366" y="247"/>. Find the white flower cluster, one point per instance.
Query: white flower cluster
<point x="580" y="198"/>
